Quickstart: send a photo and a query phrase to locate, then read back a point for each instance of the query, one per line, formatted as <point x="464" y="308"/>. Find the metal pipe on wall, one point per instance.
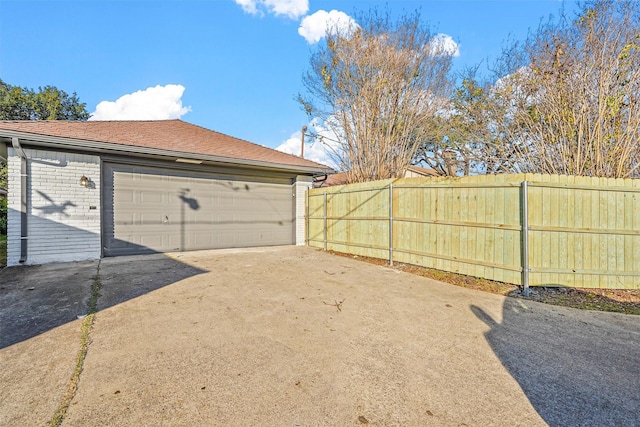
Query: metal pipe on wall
<point x="15" y="142"/>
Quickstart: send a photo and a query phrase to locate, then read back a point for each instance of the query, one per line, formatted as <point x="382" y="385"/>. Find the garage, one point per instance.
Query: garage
<point x="84" y="190"/>
<point x="150" y="209"/>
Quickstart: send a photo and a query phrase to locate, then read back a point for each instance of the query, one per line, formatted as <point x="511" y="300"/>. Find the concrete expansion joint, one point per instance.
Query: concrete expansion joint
<point x="85" y="341"/>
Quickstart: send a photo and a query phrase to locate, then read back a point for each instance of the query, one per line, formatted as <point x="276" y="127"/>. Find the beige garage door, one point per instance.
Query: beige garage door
<point x="148" y="209"/>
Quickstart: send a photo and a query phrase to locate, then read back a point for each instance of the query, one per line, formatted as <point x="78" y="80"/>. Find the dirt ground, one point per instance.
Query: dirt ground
<point x="626" y="301"/>
<point x="292" y="336"/>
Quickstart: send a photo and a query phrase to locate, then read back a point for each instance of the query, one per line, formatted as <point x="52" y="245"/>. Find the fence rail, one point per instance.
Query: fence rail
<point x="529" y="230"/>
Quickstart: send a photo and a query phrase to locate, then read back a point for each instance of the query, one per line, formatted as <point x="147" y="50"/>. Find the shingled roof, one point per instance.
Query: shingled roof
<point x="167" y="135"/>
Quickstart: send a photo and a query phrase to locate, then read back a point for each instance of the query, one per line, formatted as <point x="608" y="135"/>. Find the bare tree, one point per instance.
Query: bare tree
<point x="378" y="86"/>
<point x="572" y="92"/>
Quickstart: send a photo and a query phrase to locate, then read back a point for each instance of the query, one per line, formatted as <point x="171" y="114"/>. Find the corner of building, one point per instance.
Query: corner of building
<point x="62" y="209"/>
<point x="302" y="185"/>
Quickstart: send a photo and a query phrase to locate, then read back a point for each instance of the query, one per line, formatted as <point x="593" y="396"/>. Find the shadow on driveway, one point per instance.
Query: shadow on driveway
<point x="36" y="299"/>
<point x="573" y="369"/>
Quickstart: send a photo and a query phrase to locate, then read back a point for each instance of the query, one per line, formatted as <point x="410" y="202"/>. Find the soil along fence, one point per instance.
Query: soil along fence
<point x="527" y="229"/>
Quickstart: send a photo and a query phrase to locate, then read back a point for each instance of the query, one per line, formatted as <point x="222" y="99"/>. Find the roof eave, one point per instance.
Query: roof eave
<point x="112" y="148"/>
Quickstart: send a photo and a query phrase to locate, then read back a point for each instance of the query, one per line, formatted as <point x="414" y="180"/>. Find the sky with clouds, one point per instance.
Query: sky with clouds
<point x="234" y="66"/>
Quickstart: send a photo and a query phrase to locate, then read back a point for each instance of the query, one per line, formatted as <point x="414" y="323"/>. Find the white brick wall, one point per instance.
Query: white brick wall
<point x="13" y="204"/>
<point x="63" y="217"/>
<point x="303" y="183"/>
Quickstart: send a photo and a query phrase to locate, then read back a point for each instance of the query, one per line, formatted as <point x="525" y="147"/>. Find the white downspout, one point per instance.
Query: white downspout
<point x="15" y="142"/>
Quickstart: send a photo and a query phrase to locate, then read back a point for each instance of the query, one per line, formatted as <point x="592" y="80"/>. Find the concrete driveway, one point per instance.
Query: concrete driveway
<point x="292" y="336"/>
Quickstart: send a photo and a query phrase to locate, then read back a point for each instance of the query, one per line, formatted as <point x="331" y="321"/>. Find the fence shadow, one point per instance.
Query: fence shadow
<point x="576" y="369"/>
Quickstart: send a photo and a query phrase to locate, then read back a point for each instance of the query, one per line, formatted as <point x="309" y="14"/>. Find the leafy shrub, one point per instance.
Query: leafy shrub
<point x="3" y="216"/>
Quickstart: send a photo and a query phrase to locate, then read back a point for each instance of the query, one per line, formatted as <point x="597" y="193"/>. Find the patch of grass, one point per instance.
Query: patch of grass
<point x="611" y="300"/>
<point x="85" y="340"/>
<point x="3" y="250"/>
<point x="72" y="387"/>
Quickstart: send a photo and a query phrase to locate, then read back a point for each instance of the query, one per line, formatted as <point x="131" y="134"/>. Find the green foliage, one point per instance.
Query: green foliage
<point x="3" y="216"/>
<point x="4" y="174"/>
<point x="469" y="137"/>
<point x="48" y="103"/>
<point x="3" y="250"/>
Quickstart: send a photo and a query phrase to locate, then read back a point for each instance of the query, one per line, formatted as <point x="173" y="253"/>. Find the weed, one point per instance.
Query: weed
<point x="85" y="340"/>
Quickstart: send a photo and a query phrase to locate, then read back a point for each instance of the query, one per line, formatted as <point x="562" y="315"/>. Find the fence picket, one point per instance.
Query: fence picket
<point x="584" y="232"/>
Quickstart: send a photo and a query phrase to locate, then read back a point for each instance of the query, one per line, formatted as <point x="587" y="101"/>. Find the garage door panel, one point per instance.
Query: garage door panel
<point x="152" y="197"/>
<point x="150" y="241"/>
<point x="151" y="209"/>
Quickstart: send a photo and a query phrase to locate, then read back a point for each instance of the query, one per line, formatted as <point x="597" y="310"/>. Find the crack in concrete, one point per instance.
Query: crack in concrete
<point x="85" y="341"/>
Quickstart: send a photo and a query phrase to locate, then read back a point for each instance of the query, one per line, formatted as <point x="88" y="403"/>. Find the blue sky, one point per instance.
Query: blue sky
<point x="233" y="66"/>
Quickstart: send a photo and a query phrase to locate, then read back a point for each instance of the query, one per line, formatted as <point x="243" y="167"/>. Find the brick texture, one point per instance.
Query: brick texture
<point x="63" y="217"/>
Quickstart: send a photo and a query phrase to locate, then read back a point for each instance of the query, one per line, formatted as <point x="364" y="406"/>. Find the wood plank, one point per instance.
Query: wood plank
<point x="456" y="208"/>
<point x="535" y="218"/>
<point x="481" y="234"/>
<point x="500" y="218"/>
<point x="570" y="209"/>
<point x="554" y="212"/>
<point x="569" y="244"/>
<point x="605" y="215"/>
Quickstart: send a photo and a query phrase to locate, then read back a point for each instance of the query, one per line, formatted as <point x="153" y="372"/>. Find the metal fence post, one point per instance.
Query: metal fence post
<point x="391" y="223"/>
<point x="324" y="206"/>
<point x="525" y="237"/>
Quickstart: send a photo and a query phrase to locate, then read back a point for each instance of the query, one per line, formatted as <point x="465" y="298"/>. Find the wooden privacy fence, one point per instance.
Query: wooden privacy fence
<point x="527" y="229"/>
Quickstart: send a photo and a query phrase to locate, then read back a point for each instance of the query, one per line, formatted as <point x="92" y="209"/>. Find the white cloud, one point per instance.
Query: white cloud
<point x="314" y="151"/>
<point x="321" y="150"/>
<point x="290" y="8"/>
<point x="444" y="44"/>
<point x="249" y="6"/>
<point x="293" y="146"/>
<point x="314" y="27"/>
<point x="154" y="103"/>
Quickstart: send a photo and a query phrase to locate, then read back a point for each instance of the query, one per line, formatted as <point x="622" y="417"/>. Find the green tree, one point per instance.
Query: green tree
<point x="469" y="136"/>
<point x="3" y="216"/>
<point x="3" y="175"/>
<point x="48" y="103"/>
